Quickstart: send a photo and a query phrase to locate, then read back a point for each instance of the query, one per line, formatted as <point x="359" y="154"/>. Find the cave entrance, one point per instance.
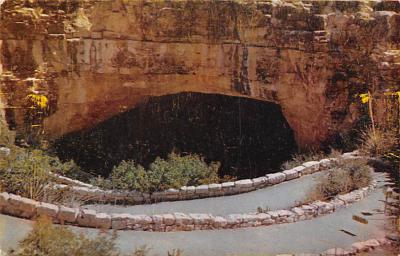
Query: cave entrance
<point x="248" y="137"/>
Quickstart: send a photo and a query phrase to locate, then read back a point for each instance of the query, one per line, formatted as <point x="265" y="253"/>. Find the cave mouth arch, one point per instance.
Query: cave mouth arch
<point x="248" y="137"/>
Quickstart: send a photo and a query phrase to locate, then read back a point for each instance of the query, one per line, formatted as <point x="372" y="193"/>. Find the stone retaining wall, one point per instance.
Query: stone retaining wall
<point x="26" y="208"/>
<point x="89" y="193"/>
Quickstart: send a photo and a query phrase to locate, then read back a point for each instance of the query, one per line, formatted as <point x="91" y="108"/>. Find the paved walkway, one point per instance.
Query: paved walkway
<point x="312" y="236"/>
<point x="281" y="196"/>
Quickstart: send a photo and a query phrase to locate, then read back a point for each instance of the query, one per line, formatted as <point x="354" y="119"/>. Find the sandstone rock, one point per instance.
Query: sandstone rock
<point x="348" y="198"/>
<point x="188" y="190"/>
<point x="300" y="169"/>
<point x="337" y="251"/>
<point x="169" y="219"/>
<point x="337" y="203"/>
<point x="299" y="213"/>
<point x="244" y="184"/>
<point x="284" y="213"/>
<point x="214" y="188"/>
<point x="200" y="219"/>
<point x="139" y="220"/>
<point x="359" y="247"/>
<point x="157" y="219"/>
<point x="87" y="218"/>
<point x="291" y="174"/>
<point x="323" y="207"/>
<point x="120" y="221"/>
<point x="46" y="209"/>
<point x="262" y="217"/>
<point x="182" y="219"/>
<point x="275" y="178"/>
<point x="228" y="187"/>
<point x="311" y="167"/>
<point x="28" y="207"/>
<point x="4" y="197"/>
<point x="371" y="243"/>
<point x="202" y="190"/>
<point x="234" y="219"/>
<point x="66" y="214"/>
<point x="219" y="222"/>
<point x="158" y="196"/>
<point x="259" y="182"/>
<point x="103" y="221"/>
<point x="304" y="35"/>
<point x="324" y="163"/>
<point x="172" y="194"/>
<point x="273" y="214"/>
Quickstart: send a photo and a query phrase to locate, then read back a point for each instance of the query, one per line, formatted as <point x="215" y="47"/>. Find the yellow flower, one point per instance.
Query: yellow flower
<point x="40" y="100"/>
<point x="364" y="98"/>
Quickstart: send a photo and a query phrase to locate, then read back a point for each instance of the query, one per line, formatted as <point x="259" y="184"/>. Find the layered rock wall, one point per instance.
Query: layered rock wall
<point x="94" y="59"/>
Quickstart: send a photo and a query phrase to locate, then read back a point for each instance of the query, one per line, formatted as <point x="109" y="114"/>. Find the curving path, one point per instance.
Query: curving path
<point x="312" y="236"/>
<point x="281" y="196"/>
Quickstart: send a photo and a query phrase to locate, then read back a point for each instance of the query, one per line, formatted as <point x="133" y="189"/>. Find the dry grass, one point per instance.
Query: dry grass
<point x="378" y="143"/>
<point x="346" y="176"/>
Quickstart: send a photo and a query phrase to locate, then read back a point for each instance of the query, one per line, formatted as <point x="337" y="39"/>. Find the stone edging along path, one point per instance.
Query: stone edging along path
<point x="26" y="208"/>
<point x="87" y="192"/>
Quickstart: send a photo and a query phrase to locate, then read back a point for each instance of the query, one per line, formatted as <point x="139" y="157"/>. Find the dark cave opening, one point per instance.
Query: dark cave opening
<point x="248" y="137"/>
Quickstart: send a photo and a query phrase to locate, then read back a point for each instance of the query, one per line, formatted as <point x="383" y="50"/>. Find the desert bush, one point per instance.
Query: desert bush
<point x="177" y="171"/>
<point x="26" y="173"/>
<point x="129" y="176"/>
<point x="380" y="142"/>
<point x="174" y="172"/>
<point x="46" y="239"/>
<point x="344" y="177"/>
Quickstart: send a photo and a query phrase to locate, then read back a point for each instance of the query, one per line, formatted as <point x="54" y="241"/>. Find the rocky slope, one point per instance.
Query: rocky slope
<point x="93" y="59"/>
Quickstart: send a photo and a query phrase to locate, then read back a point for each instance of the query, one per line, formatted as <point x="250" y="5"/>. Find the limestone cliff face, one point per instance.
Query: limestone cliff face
<point x="97" y="58"/>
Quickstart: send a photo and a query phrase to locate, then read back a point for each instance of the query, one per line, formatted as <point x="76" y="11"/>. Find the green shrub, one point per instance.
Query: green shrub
<point x="177" y="171"/>
<point x="25" y="172"/>
<point x="174" y="172"/>
<point x="48" y="240"/>
<point x="129" y="176"/>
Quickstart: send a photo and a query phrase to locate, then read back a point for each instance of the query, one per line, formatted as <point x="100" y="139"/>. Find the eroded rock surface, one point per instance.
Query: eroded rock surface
<point x="94" y="59"/>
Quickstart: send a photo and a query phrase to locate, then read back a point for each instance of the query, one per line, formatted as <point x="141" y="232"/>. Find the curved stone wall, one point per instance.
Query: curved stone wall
<point x="87" y="192"/>
<point x="26" y="208"/>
